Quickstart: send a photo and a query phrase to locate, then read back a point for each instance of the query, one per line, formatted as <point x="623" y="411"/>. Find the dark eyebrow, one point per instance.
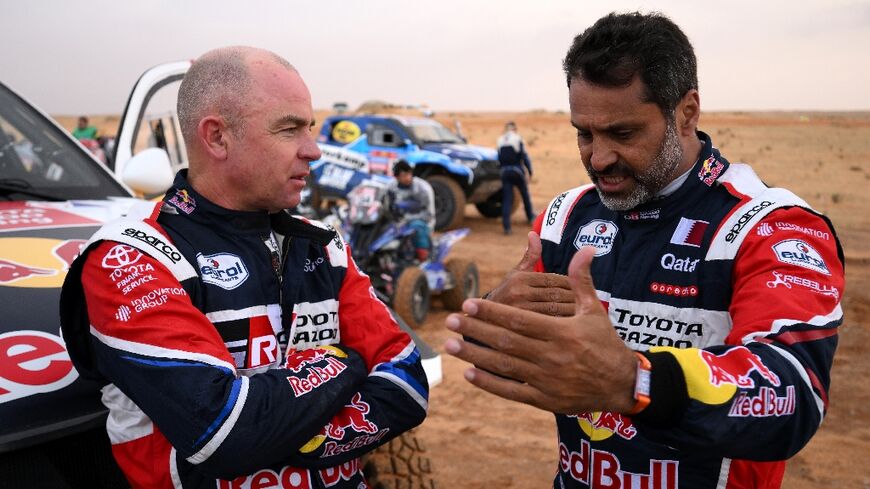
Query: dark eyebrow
<point x="293" y="120"/>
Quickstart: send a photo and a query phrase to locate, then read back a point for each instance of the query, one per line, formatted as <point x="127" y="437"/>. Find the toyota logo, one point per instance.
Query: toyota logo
<point x="121" y="256"/>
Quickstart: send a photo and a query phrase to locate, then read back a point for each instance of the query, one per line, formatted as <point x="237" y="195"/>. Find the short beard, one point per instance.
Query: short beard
<point x="648" y="183"/>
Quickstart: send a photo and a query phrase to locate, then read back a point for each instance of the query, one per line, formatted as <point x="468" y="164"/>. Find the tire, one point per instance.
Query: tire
<point x="491" y="207"/>
<point x="401" y="463"/>
<point x="467" y="280"/>
<point x="449" y="202"/>
<point x="411" y="298"/>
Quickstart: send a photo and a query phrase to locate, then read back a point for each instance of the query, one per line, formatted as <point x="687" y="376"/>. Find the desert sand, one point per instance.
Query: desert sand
<point x="476" y="440"/>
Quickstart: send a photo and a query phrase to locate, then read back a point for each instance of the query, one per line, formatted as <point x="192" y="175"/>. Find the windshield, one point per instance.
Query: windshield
<point x="38" y="161"/>
<point x="429" y="131"/>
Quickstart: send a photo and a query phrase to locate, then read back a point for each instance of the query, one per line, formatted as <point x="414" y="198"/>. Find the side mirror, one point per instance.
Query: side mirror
<point x="148" y="172"/>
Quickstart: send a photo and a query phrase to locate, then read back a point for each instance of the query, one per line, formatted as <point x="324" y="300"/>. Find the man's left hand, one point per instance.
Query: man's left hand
<point x="561" y="364"/>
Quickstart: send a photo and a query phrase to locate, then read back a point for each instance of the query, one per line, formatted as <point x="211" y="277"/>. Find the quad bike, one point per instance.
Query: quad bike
<point x="383" y="249"/>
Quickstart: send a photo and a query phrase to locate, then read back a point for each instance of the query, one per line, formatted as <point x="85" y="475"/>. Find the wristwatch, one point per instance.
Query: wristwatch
<point x="641" y="384"/>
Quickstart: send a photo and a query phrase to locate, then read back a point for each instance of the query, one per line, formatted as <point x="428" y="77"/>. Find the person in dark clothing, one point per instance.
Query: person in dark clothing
<point x="512" y="157"/>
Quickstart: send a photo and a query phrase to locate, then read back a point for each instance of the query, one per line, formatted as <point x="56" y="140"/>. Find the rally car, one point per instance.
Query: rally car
<point x="356" y="146"/>
<point x="53" y="195"/>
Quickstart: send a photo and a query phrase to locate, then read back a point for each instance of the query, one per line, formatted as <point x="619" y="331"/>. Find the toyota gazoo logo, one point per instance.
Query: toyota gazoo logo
<point x="121" y="256"/>
<point x="33" y="362"/>
<point x="597" y="233"/>
<point x="225" y="270"/>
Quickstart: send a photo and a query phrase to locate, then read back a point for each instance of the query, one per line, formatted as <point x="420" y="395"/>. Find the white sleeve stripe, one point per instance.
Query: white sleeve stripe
<point x="408" y="350"/>
<point x="233" y="314"/>
<point x="777" y="325"/>
<point x="405" y="386"/>
<point x="160" y="352"/>
<point x="226" y="427"/>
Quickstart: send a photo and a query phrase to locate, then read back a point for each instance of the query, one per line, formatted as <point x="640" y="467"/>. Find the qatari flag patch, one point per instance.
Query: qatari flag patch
<point x="689" y="232"/>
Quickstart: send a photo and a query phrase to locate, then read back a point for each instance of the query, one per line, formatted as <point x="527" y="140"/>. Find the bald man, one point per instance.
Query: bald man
<point x="240" y="346"/>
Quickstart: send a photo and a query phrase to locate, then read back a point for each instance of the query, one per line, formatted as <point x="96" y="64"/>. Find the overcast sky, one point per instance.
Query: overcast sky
<point x="73" y="57"/>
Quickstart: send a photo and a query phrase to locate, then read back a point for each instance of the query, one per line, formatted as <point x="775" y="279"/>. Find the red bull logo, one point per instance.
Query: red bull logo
<point x="710" y="170"/>
<point x="735" y="366"/>
<point x="36" y="262"/>
<point x="602" y="425"/>
<point x="352" y="416"/>
<point x="183" y="201"/>
<point x="602" y="469"/>
<point x="311" y="376"/>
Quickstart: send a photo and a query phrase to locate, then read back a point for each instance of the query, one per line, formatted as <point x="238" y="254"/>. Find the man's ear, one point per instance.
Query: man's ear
<point x="212" y="134"/>
<point x="688" y="112"/>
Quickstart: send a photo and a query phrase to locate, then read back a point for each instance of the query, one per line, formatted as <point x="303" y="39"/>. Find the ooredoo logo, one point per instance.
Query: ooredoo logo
<point x="33" y="362"/>
<point x="598" y="234"/>
<point x="225" y="270"/>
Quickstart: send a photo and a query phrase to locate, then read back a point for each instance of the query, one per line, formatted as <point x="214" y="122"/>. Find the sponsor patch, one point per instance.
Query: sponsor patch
<point x="787" y="226"/>
<point x="645" y="330"/>
<point x="764" y="229"/>
<point x="734" y="367"/>
<point x="689" y="232"/>
<point x="643" y="215"/>
<point x="745" y="218"/>
<point x="798" y="252"/>
<point x="765" y="404"/>
<point x="120" y="256"/>
<point x="674" y="290"/>
<point x="787" y="280"/>
<point x="156" y="242"/>
<point x="554" y="208"/>
<point x="597" y="233"/>
<point x="593" y="467"/>
<point x="602" y="425"/>
<point x="224" y="270"/>
<point x="710" y="170"/>
<point x="313" y="368"/>
<point x="669" y="261"/>
<point x="183" y="201"/>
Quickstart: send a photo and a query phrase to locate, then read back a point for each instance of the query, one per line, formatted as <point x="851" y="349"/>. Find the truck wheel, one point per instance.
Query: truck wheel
<point x="491" y="207"/>
<point x="467" y="281"/>
<point x="449" y="202"/>
<point x="411" y="299"/>
<point x="402" y="463"/>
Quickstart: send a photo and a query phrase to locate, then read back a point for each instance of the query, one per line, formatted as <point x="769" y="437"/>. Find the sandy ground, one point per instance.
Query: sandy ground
<point x="476" y="440"/>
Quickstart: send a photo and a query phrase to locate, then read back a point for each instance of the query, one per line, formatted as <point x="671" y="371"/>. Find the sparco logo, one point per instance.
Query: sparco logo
<point x="597" y="233"/>
<point x="738" y="226"/>
<point x="554" y="209"/>
<point x="155" y="242"/>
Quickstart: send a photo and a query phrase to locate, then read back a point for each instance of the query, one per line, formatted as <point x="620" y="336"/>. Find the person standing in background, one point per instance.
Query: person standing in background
<point x="512" y="157"/>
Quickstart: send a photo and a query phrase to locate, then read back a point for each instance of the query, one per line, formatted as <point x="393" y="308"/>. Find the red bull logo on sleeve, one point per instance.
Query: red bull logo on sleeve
<point x="310" y="375"/>
<point x="735" y="366"/>
<point x="36" y="262"/>
<point x="353" y="416"/>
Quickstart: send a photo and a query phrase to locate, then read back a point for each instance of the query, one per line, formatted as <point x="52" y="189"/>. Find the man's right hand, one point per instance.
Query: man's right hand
<point x="545" y="293"/>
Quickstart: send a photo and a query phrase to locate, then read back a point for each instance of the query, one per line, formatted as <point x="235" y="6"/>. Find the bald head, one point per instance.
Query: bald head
<point x="218" y="82"/>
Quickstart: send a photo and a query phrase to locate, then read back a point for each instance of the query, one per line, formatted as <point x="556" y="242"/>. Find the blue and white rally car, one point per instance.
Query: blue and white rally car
<point x="357" y="146"/>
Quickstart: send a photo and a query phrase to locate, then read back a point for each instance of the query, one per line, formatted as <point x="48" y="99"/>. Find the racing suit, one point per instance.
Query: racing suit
<point x="512" y="157"/>
<point x="240" y="349"/>
<point x="732" y="290"/>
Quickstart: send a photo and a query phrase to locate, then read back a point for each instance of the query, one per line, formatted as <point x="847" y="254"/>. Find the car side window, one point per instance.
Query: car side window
<point x="381" y="135"/>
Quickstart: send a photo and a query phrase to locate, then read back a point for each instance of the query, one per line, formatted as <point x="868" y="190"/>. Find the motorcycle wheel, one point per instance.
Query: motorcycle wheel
<point x="467" y="281"/>
<point x="411" y="298"/>
<point x="402" y="463"/>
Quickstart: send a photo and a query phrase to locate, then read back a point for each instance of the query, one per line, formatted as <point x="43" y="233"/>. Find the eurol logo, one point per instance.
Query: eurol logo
<point x="33" y="362"/>
<point x="225" y="270"/>
<point x="798" y="252"/>
<point x="598" y="234"/>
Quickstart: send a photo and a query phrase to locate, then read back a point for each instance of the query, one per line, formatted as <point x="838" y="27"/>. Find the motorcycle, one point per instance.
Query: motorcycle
<point x="382" y="246"/>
